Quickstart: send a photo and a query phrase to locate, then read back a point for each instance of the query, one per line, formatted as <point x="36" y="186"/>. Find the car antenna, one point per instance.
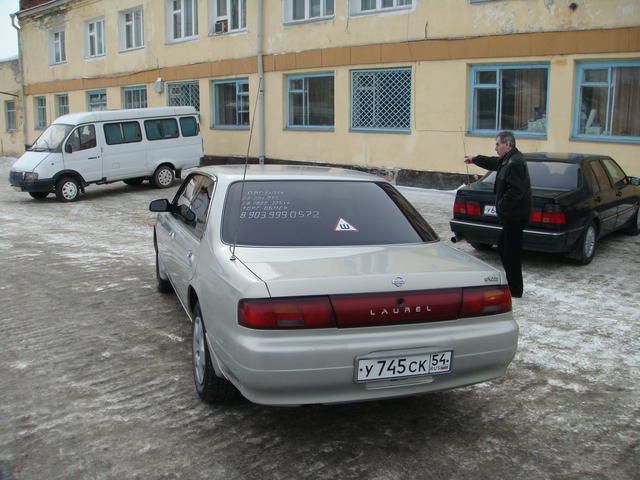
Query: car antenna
<point x="464" y="149"/>
<point x="244" y="174"/>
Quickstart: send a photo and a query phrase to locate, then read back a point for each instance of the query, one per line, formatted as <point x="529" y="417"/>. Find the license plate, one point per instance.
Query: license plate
<point x="400" y="367"/>
<point x="490" y="210"/>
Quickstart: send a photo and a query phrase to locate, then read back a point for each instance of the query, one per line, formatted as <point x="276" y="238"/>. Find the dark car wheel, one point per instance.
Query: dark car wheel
<point x="209" y="386"/>
<point x="483" y="247"/>
<point x="586" y="247"/>
<point x="134" y="181"/>
<point x="67" y="189"/>
<point x="163" y="176"/>
<point x="39" y="195"/>
<point x="634" y="224"/>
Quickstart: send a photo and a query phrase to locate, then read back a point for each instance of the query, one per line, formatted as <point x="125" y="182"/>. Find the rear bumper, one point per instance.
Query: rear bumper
<point x="533" y="239"/>
<point x="296" y="368"/>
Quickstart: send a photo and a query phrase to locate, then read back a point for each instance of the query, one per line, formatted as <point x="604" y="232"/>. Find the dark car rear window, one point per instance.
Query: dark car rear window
<point x="548" y="175"/>
<point x="320" y="213"/>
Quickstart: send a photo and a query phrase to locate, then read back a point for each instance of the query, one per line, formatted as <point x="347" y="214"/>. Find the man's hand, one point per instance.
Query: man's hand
<point x="468" y="159"/>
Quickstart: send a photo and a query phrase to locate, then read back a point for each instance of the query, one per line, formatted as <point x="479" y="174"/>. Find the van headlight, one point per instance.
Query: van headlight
<point x="30" y="176"/>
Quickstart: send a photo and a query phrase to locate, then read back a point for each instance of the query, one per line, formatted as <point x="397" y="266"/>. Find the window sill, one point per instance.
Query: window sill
<point x="294" y="23"/>
<point x="229" y="127"/>
<point x="175" y="41"/>
<point x="379" y="130"/>
<point x="516" y="133"/>
<point x="132" y="49"/>
<point x="55" y="64"/>
<point x="294" y="128"/>
<point x="229" y="33"/>
<point x="95" y="57"/>
<point x="623" y="140"/>
<point x="403" y="9"/>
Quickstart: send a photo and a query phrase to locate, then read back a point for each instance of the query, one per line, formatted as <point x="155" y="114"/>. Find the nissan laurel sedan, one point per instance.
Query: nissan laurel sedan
<point x="311" y="285"/>
<point x="577" y="199"/>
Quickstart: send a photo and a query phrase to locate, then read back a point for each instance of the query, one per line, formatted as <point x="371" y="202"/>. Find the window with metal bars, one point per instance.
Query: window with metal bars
<point x="381" y="100"/>
<point x="134" y="97"/>
<point x="184" y="94"/>
<point x="230" y="103"/>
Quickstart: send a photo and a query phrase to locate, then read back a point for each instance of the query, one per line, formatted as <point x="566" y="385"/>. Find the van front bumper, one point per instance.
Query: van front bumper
<point x="17" y="181"/>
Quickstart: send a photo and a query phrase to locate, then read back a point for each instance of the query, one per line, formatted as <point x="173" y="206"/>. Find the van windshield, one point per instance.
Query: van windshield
<point x="51" y="139"/>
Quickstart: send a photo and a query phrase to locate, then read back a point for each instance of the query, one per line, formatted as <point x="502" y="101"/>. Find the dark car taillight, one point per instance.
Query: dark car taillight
<point x="287" y="313"/>
<point x="463" y="207"/>
<point x="550" y="215"/>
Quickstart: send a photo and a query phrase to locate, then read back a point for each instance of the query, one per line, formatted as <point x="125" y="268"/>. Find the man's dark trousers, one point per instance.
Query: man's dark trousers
<point x="510" y="248"/>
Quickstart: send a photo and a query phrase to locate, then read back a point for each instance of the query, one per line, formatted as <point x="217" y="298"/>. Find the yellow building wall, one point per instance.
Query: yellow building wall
<point x="11" y="143"/>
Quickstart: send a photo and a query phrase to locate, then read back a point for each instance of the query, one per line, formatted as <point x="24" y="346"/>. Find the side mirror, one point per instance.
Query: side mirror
<point x="68" y="148"/>
<point x="187" y="214"/>
<point x="634" y="180"/>
<point x="162" y="205"/>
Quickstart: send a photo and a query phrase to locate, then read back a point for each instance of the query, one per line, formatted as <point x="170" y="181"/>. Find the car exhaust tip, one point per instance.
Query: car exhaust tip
<point x="456" y="238"/>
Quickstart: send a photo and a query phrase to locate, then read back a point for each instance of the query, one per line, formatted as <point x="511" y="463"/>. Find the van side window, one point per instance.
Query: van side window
<point x="161" y="128"/>
<point x="122" y="132"/>
<point x="189" y="126"/>
<point x="82" y="138"/>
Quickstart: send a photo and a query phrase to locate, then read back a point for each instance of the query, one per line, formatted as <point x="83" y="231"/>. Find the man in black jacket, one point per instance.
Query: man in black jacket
<point x="513" y="203"/>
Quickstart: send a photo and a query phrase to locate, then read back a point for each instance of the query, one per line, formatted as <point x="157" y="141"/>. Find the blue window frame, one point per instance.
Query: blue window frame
<point x="381" y="100"/>
<point x="41" y="113"/>
<point x="509" y="97"/>
<point x="310" y="101"/>
<point x="134" y="97"/>
<point x="97" y="100"/>
<point x="607" y="106"/>
<point x="230" y="103"/>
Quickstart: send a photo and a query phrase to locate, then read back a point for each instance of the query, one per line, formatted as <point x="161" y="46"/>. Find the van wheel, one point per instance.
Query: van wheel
<point x="39" y="195"/>
<point x="67" y="189"/>
<point x="134" y="181"/>
<point x="210" y="387"/>
<point x="163" y="176"/>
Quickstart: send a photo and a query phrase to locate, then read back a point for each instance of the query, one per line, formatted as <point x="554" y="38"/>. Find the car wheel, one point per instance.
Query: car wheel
<point x="164" y="285"/>
<point x="163" y="176"/>
<point x="634" y="224"/>
<point x="67" y="189"/>
<point x="210" y="387"/>
<point x="483" y="247"/>
<point x="134" y="181"/>
<point x="586" y="247"/>
<point x="39" y="195"/>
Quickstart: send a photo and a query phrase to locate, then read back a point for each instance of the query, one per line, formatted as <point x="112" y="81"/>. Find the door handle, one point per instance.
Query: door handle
<point x="91" y="158"/>
<point x="190" y="256"/>
<point x="172" y="234"/>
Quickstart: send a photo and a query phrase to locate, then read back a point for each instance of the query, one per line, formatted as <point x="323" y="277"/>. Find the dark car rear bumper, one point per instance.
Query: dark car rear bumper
<point x="533" y="239"/>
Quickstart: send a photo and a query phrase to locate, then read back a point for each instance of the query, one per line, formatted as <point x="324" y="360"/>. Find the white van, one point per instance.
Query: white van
<point x="134" y="145"/>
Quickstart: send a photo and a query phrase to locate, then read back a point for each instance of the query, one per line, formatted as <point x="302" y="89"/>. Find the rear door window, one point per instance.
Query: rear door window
<point x="602" y="179"/>
<point x="615" y="172"/>
<point x="320" y="213"/>
<point x="188" y="126"/>
<point x="161" y="129"/>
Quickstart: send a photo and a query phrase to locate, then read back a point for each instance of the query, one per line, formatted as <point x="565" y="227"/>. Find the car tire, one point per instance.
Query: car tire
<point x="163" y="285"/>
<point x="210" y="387"/>
<point x="482" y="247"/>
<point x="585" y="249"/>
<point x="163" y="176"/>
<point x="634" y="224"/>
<point x="38" y="195"/>
<point x="134" y="181"/>
<point x="67" y="189"/>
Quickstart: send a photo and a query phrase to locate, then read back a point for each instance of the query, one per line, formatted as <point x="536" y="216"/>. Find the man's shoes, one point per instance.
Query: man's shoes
<point x="516" y="294"/>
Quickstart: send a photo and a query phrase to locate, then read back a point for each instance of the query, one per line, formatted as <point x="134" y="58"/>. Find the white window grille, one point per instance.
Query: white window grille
<point x="135" y="97"/>
<point x="97" y="100"/>
<point x="184" y="94"/>
<point x="94" y="38"/>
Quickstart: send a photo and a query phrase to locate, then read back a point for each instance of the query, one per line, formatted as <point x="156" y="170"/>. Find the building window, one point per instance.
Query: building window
<point x="231" y="103"/>
<point x="227" y="16"/>
<point x="184" y="94"/>
<point x="608" y="101"/>
<point x="509" y="97"/>
<point x="301" y="10"/>
<point x="57" y="47"/>
<point x="131" y="29"/>
<point x="381" y="100"/>
<point x="97" y="100"/>
<point x="94" y="38"/>
<point x="10" y="114"/>
<point x="310" y="101"/>
<point x="377" y="6"/>
<point x="182" y="19"/>
<point x="41" y="112"/>
<point x="134" y="97"/>
<point x="62" y="104"/>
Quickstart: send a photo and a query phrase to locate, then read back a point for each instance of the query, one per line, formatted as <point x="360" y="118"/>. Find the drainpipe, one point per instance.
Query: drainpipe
<point x="261" y="130"/>
<point x="14" y="17"/>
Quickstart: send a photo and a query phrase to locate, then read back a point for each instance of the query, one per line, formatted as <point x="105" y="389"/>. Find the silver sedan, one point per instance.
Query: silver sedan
<point x="315" y="285"/>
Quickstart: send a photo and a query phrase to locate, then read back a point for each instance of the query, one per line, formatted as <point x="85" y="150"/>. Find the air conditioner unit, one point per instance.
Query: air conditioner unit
<point x="221" y="26"/>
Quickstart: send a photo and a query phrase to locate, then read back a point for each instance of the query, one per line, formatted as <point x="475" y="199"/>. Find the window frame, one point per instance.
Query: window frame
<point x="135" y="28"/>
<point x="40" y="110"/>
<point x="581" y="67"/>
<point x="288" y="12"/>
<point x="59" y="104"/>
<point x="215" y="17"/>
<point x="57" y="47"/>
<point x="170" y="21"/>
<point x="355" y="7"/>
<point x="98" y="36"/>
<point x="406" y="130"/>
<point x="96" y="92"/>
<point x="214" y="111"/>
<point x="10" y="116"/>
<point x="131" y="90"/>
<point x="498" y="68"/>
<point x="304" y="77"/>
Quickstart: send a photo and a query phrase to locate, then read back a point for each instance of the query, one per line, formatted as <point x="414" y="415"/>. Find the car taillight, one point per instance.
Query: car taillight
<point x="550" y="215"/>
<point x="481" y="301"/>
<point x="466" y="208"/>
<point x="287" y="313"/>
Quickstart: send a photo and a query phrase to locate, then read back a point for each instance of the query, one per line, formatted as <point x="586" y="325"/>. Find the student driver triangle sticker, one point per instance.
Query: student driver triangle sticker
<point x="343" y="226"/>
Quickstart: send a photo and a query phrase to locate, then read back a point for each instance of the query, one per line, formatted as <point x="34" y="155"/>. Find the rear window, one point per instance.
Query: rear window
<point x="320" y="213"/>
<point x="548" y="175"/>
<point x="189" y="126"/>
